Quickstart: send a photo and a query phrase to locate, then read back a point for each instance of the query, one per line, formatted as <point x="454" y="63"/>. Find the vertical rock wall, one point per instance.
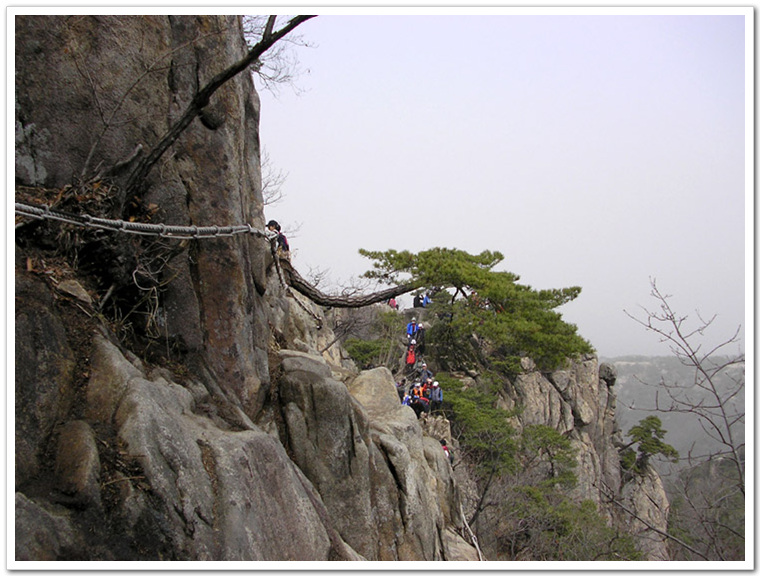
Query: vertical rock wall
<point x="579" y="402"/>
<point x="89" y="90"/>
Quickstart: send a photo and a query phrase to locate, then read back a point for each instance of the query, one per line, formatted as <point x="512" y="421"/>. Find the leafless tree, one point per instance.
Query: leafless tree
<point x="200" y="100"/>
<point x="348" y="323"/>
<point x="711" y="492"/>
<point x="280" y="65"/>
<point x="272" y="181"/>
<point x="317" y="276"/>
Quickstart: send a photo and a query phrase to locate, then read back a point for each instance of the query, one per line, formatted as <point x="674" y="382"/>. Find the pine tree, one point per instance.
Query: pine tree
<point x="475" y="300"/>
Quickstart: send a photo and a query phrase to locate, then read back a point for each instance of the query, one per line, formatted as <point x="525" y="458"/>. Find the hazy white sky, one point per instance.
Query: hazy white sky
<point x="596" y="151"/>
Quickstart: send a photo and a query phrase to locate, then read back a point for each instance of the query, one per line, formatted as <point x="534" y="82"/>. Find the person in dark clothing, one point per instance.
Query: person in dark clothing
<point x="401" y="389"/>
<point x="419" y="403"/>
<point x="283" y="248"/>
<point x="420" y="338"/>
<point x="425" y="374"/>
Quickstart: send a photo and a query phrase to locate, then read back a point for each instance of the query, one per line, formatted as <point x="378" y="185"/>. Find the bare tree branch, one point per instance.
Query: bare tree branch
<point x="272" y="181"/>
<point x="715" y="418"/>
<point x="269" y="27"/>
<point x="711" y="491"/>
<point x="620" y="505"/>
<point x="201" y="100"/>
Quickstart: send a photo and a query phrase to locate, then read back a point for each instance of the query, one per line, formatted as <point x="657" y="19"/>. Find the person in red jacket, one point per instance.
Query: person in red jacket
<point x="411" y="356"/>
<point x="446" y="450"/>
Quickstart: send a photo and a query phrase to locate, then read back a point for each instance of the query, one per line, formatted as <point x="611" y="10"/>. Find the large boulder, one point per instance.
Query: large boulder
<point x="43" y="532"/>
<point x="77" y="463"/>
<point x="206" y="483"/>
<point x="388" y="488"/>
<point x="328" y="441"/>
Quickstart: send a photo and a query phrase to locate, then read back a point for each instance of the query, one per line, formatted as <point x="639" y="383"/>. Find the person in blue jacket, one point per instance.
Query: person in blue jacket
<point x="411" y="329"/>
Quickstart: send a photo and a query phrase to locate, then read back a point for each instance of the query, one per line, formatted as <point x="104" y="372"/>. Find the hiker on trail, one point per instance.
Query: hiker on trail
<point x="283" y="248"/>
<point x="392" y="303"/>
<point x="436" y="397"/>
<point x="425" y="374"/>
<point x="411" y="329"/>
<point x="401" y="389"/>
<point x="446" y="450"/>
<point x="420" y="337"/>
<point x="411" y="356"/>
<point x="419" y="403"/>
<point x="421" y="300"/>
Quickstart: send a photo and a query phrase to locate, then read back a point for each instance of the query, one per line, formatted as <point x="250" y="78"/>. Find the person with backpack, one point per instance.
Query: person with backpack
<point x="426" y="387"/>
<point x="411" y="329"/>
<point x="420" y="337"/>
<point x="283" y="248"/>
<point x="411" y="356"/>
<point x="436" y="397"/>
<point x="419" y="403"/>
<point x="425" y="374"/>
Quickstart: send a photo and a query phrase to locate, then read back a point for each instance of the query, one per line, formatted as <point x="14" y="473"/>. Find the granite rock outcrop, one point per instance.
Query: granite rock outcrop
<point x="212" y="414"/>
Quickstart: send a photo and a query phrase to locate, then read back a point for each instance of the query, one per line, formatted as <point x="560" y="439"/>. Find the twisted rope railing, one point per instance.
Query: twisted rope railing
<point x="287" y="274"/>
<point x="162" y="230"/>
<point x="145" y="229"/>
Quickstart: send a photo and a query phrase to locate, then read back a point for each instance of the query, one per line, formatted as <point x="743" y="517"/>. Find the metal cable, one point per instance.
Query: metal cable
<point x="162" y="230"/>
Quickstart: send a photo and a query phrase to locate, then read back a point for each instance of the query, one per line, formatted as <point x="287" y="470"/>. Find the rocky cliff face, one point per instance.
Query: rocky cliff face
<point x="580" y="402"/>
<point x="171" y="399"/>
<point x="238" y="448"/>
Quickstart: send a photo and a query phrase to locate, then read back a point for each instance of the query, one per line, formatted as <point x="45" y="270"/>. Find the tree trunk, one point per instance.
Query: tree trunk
<point x="299" y="284"/>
